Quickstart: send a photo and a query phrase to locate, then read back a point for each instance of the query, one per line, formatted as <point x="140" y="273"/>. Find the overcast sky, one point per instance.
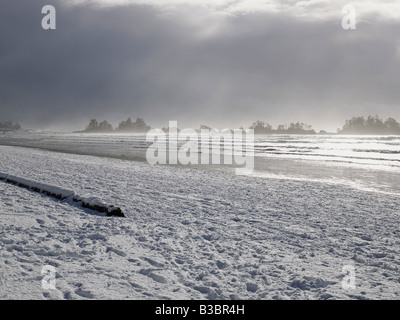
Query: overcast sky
<point x="224" y="63"/>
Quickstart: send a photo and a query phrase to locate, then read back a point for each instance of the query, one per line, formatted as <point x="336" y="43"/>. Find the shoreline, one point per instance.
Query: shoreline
<point x="276" y="166"/>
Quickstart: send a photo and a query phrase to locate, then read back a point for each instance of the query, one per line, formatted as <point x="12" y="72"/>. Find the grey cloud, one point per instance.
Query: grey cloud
<point x="134" y="61"/>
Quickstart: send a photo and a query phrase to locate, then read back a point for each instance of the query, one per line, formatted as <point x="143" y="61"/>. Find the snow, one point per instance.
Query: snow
<point x="190" y="233"/>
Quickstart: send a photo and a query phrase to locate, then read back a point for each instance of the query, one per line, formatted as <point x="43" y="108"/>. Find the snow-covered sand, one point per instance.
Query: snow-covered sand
<point x="190" y="234"/>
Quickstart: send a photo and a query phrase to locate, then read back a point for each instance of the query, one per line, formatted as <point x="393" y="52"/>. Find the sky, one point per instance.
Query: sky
<point x="222" y="63"/>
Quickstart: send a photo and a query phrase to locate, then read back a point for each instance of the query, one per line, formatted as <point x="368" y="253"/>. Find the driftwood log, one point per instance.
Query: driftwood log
<point x="63" y="194"/>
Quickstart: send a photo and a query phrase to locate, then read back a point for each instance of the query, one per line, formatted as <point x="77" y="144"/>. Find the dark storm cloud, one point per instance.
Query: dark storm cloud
<point x="91" y="64"/>
<point x="225" y="71"/>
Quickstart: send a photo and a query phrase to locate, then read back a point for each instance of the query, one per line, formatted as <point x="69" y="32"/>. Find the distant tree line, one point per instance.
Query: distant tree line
<point x="128" y="125"/>
<point x="261" y="127"/>
<point x="355" y="125"/>
<point x="9" y="125"/>
<point x="370" y="125"/>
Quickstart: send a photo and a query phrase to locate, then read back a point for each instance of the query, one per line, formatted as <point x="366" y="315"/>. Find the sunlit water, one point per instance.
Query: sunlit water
<point x="369" y="163"/>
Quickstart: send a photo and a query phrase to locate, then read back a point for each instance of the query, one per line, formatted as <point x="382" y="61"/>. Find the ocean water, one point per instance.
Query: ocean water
<point x="370" y="163"/>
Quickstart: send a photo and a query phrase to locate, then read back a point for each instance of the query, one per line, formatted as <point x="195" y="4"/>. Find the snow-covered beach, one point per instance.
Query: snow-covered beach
<point x="191" y="233"/>
<point x="199" y="150"/>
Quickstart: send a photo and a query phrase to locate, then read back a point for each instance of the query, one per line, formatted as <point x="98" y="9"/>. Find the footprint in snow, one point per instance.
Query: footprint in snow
<point x="84" y="293"/>
<point x="151" y="274"/>
<point x="153" y="262"/>
<point x="157" y="277"/>
<point x="116" y="251"/>
<point x="40" y="221"/>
